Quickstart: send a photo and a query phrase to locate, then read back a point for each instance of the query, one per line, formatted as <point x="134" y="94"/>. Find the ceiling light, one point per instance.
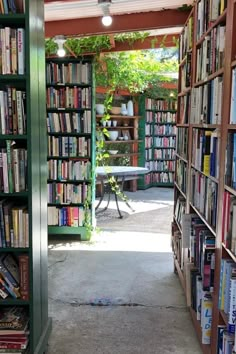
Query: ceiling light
<point x="106" y="19"/>
<point x="60" y="40"/>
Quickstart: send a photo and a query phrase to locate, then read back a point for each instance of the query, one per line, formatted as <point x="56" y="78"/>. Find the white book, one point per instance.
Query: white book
<point x="232" y="305"/>
<point x="19" y="112"/>
<point x="233" y="98"/>
<point x="2" y="112"/>
<point x="7" y="51"/>
<point x="5" y="173"/>
<point x="21" y="50"/>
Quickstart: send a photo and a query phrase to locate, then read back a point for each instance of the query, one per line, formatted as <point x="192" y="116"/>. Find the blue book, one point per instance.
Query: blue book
<point x="233" y="98"/>
<point x="234" y="162"/>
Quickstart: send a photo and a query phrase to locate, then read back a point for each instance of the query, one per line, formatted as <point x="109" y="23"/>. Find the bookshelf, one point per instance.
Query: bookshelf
<point x="158" y="132"/>
<point x="71" y="156"/>
<point x="204" y="229"/>
<point x="123" y="150"/>
<point x="23" y="179"/>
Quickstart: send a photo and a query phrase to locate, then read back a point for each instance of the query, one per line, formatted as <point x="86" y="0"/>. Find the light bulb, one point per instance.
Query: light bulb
<point x="61" y="52"/>
<point x="107" y="20"/>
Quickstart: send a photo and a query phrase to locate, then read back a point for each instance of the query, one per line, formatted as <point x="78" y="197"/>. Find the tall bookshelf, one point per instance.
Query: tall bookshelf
<point x="158" y="133"/>
<point x="204" y="228"/>
<point x="23" y="171"/>
<point x="71" y="156"/>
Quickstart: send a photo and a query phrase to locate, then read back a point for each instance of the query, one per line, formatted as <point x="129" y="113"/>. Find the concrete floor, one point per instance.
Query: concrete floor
<point x="117" y="294"/>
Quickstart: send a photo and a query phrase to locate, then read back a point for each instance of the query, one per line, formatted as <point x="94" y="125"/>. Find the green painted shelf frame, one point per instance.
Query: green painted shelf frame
<point x="142" y="160"/>
<point x="84" y="232"/>
<point x="36" y="197"/>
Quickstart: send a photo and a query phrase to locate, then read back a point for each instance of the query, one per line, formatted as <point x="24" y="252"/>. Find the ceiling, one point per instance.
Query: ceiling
<point x="83" y="17"/>
<point x="56" y="10"/>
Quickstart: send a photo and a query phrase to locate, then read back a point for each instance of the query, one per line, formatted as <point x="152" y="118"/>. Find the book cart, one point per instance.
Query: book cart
<point x="71" y="146"/>
<point x="158" y="133"/>
<point x="204" y="225"/>
<point x="23" y="179"/>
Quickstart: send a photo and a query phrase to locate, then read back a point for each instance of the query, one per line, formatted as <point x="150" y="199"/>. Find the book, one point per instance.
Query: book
<point x="13" y="320"/>
<point x="9" y="269"/>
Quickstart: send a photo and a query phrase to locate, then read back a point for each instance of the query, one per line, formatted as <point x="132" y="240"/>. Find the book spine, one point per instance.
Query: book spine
<point x="24" y="276"/>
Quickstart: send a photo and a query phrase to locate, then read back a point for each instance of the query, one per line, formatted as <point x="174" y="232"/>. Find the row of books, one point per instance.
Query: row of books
<point x="70" y="122"/>
<point x="186" y="39"/>
<point x="165" y="129"/>
<point x="14" y="277"/>
<point x="229" y="221"/>
<point x="69" y="97"/>
<point x="185" y="78"/>
<point x="162" y="105"/>
<point x="206" y="102"/>
<point x="160" y="117"/>
<point x="202" y="304"/>
<point x="210" y="56"/>
<point x="14" y="329"/>
<point x="179" y="210"/>
<point x="159" y="177"/>
<point x="163" y="153"/>
<point x="204" y="196"/>
<point x="184" y="109"/>
<point x="182" y="142"/>
<point x="177" y="244"/>
<point x="160" y="165"/>
<point x="14" y="225"/>
<point x="12" y="6"/>
<point x="63" y="193"/>
<point x="68" y="73"/>
<point x="181" y="175"/>
<point x="12" y="58"/>
<point x="13" y="168"/>
<point x="230" y="163"/>
<point x="69" y="170"/>
<point x="66" y="216"/>
<point x="69" y="146"/>
<point x="233" y="98"/>
<point x="207" y="12"/>
<point x="164" y="141"/>
<point x="205" y="151"/>
<point x="12" y="111"/>
<point x="225" y="341"/>
<point x="227" y="292"/>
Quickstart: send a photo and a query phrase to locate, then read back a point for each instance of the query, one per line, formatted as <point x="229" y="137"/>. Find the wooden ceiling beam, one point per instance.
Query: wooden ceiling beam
<point x="121" y="23"/>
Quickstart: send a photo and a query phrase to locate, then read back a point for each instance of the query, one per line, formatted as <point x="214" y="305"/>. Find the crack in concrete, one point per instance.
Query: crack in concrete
<point x="114" y="304"/>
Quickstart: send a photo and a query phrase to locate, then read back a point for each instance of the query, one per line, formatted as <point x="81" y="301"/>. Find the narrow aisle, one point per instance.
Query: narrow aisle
<point x="118" y="294"/>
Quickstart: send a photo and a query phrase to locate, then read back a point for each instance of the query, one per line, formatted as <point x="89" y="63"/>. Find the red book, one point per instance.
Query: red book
<point x="24" y="276"/>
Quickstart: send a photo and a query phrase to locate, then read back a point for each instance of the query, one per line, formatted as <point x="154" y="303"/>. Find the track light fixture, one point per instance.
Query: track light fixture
<point x="106" y="19"/>
<point x="60" y="40"/>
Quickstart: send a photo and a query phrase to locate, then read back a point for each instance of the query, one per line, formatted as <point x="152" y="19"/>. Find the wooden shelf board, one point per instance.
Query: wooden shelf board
<point x="177" y="223"/>
<point x="182" y="125"/>
<point x="11" y="77"/>
<point x="224" y="316"/>
<point x="69" y="134"/>
<point x="163" y="147"/>
<point x="233" y="64"/>
<point x="183" y="61"/>
<point x="219" y="20"/>
<point x="68" y="84"/>
<point x="119" y="116"/>
<point x="68" y="157"/>
<point x="65" y="109"/>
<point x="15" y="194"/>
<point x="122" y="141"/>
<point x="157" y="135"/>
<point x="230" y="189"/>
<point x="203" y="219"/>
<point x="209" y="78"/>
<point x="161" y="110"/>
<point x="14" y="249"/>
<point x="231" y="126"/>
<point x="65" y="204"/>
<point x="180" y="190"/>
<point x="65" y="230"/>
<point x="180" y="273"/>
<point x="117" y="127"/>
<point x="128" y="154"/>
<point x="181" y="158"/>
<point x="205" y="126"/>
<point x="10" y="302"/>
<point x="205" y="348"/>
<point x="230" y="253"/>
<point x="12" y="137"/>
<point x="184" y="92"/>
<point x="161" y="160"/>
<point x="208" y="176"/>
<point x="70" y="181"/>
